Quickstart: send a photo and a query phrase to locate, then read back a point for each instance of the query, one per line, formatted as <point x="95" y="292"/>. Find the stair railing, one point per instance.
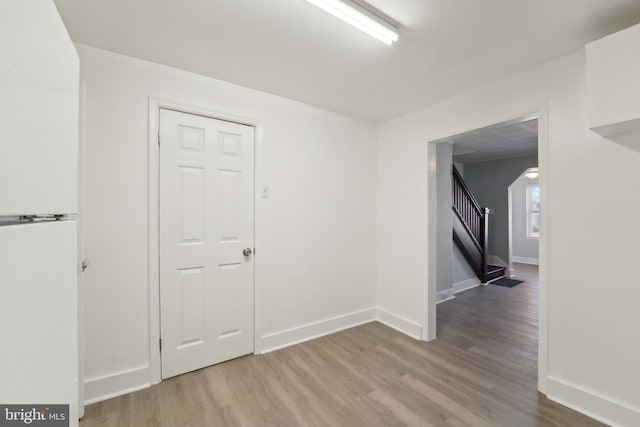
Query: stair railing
<point x="474" y="218"/>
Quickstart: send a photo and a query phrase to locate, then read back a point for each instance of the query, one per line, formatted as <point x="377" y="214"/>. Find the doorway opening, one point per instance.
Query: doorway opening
<point x="482" y="201"/>
<point x="524" y="219"/>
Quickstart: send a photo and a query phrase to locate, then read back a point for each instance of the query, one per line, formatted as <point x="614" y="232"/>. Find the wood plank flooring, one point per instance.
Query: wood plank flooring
<point x="481" y="371"/>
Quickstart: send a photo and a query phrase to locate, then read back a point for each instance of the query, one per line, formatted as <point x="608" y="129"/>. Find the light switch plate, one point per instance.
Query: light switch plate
<point x="265" y="191"/>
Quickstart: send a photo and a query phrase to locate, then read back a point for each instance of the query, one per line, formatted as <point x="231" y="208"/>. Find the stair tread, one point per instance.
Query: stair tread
<point x="494" y="268"/>
<point x="494" y="272"/>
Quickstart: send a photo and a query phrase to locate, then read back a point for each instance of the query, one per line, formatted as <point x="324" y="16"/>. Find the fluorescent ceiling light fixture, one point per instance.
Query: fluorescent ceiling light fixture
<point x="532" y="173"/>
<point x="364" y="20"/>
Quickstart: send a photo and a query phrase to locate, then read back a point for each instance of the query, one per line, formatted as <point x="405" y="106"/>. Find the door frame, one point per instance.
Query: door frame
<point x="541" y="110"/>
<point x="155" y="104"/>
<point x="82" y="139"/>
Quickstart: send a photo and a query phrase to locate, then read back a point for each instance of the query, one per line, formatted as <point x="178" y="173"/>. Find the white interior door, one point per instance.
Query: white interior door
<point x="206" y="223"/>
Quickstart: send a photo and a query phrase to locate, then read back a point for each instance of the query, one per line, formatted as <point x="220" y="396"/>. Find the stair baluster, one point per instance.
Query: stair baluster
<point x="471" y="229"/>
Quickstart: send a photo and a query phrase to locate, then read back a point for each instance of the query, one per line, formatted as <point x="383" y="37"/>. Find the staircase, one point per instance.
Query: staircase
<point x="471" y="230"/>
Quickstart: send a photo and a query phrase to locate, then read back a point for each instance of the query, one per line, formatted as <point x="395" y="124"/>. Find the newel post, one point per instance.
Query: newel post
<point x="485" y="240"/>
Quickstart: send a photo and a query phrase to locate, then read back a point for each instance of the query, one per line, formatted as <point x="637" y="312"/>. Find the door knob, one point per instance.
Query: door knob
<point x="247" y="252"/>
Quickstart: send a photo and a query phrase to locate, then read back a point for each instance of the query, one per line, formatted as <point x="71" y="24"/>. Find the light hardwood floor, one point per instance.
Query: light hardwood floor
<point x="481" y="371"/>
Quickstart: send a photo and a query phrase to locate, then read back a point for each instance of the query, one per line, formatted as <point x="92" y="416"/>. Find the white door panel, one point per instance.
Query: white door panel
<point x="38" y="315"/>
<point x="206" y="220"/>
<point x="39" y="87"/>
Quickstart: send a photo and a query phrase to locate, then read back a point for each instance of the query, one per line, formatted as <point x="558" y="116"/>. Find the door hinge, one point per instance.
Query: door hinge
<point x="158" y="136"/>
<point x="160" y="344"/>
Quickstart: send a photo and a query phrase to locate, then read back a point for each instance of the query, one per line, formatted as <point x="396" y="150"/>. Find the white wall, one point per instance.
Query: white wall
<point x="317" y="230"/>
<point x="453" y="268"/>
<point x="524" y="248"/>
<point x="592" y="203"/>
<point x="444" y="256"/>
<point x="613" y="67"/>
<point x="461" y="271"/>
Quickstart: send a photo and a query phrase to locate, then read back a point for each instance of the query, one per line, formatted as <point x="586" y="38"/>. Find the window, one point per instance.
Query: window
<point x="533" y="211"/>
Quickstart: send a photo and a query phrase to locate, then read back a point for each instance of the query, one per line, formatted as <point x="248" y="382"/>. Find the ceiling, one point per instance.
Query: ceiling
<point x="293" y="49"/>
<point x="511" y="139"/>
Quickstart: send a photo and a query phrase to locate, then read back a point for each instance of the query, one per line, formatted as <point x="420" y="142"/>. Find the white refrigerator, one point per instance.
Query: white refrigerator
<point x="38" y="208"/>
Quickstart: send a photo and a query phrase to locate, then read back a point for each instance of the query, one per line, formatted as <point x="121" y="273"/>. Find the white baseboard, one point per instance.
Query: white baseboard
<point x="444" y="296"/>
<point x="108" y="386"/>
<point x="449" y="294"/>
<point x="525" y="260"/>
<point x="590" y="403"/>
<point x="281" y="339"/>
<point x="400" y="324"/>
<point x="466" y="284"/>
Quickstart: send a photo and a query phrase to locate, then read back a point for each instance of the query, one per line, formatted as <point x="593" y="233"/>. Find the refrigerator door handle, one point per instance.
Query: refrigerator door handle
<point x="41" y="218"/>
